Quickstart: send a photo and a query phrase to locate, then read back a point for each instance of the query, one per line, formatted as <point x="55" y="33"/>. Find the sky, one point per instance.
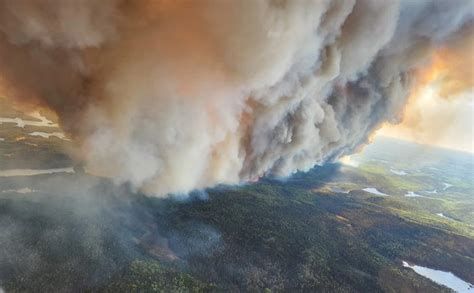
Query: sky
<point x="438" y="121"/>
<point x="440" y="109"/>
<point x="238" y="89"/>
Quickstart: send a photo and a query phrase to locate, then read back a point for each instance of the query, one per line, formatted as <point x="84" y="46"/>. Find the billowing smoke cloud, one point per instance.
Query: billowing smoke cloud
<point x="440" y="106"/>
<point x="176" y="95"/>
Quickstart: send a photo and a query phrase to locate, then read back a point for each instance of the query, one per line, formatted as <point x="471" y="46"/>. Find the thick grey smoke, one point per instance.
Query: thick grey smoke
<point x="176" y="95"/>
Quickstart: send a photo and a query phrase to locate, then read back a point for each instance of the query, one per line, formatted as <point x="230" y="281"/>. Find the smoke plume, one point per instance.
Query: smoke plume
<point x="171" y="96"/>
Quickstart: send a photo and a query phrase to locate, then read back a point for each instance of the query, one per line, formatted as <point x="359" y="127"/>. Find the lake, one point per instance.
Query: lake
<point x="447" y="279"/>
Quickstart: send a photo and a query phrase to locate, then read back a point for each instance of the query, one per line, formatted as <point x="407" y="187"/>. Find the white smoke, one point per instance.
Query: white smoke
<point x="177" y="95"/>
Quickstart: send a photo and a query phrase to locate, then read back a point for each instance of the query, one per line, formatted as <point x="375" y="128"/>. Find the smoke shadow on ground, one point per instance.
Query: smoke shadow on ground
<point x="78" y="232"/>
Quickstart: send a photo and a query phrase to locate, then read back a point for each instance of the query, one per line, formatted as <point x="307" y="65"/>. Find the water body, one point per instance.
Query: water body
<point x="446" y="185"/>
<point x="340" y="190"/>
<point x="398" y="172"/>
<point x="32" y="172"/>
<point x="374" y="191"/>
<point x="31" y="144"/>
<point x="447" y="279"/>
<point x="413" y="194"/>
<point x="43" y="121"/>
<point x="444" y="216"/>
<point x="24" y="190"/>
<point x="59" y="135"/>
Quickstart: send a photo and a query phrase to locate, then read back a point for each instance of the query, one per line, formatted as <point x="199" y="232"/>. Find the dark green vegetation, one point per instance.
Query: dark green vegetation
<point x="317" y="231"/>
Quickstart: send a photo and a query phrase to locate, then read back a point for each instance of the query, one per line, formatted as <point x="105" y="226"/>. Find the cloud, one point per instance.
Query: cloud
<point x="172" y="96"/>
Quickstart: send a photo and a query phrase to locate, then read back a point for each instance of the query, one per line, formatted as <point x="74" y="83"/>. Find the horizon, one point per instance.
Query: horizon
<point x="236" y="146"/>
